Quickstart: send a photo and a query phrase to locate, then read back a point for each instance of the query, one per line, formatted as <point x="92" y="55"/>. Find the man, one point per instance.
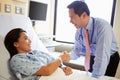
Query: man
<point x="104" y="57"/>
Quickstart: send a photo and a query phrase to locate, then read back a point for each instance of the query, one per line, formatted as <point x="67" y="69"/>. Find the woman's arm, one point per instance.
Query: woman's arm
<point x="51" y="67"/>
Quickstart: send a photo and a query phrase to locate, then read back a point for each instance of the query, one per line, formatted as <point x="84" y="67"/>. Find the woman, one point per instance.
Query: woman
<point x="30" y="64"/>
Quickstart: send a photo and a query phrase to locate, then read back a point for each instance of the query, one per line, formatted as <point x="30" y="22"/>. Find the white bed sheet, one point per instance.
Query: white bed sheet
<point x="76" y="75"/>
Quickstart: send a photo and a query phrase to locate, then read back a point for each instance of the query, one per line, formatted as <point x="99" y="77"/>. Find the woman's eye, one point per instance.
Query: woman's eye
<point x="26" y="38"/>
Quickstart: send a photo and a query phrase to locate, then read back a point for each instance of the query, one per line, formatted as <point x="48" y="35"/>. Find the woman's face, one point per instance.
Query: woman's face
<point x="23" y="45"/>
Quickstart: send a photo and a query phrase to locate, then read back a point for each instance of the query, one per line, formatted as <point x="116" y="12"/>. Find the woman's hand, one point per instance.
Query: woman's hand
<point x="67" y="70"/>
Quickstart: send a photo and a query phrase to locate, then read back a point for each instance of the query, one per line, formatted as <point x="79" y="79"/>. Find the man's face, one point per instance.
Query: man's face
<point x="75" y="19"/>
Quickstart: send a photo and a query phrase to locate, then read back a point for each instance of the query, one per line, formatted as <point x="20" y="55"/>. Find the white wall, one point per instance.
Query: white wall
<point x="116" y="25"/>
<point x="116" y="28"/>
<point x="46" y="27"/>
<point x="20" y="4"/>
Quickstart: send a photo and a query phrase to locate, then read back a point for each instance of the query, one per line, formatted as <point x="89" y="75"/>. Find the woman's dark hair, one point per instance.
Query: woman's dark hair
<point x="11" y="37"/>
<point x="79" y="7"/>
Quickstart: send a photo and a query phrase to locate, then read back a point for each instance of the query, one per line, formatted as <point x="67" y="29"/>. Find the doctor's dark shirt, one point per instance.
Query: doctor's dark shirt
<point x="102" y="44"/>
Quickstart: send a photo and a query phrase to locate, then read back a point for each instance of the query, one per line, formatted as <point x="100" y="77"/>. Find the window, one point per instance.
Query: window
<point x="65" y="31"/>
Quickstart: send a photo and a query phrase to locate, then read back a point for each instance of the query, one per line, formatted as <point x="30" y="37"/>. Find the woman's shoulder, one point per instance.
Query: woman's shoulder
<point x="18" y="57"/>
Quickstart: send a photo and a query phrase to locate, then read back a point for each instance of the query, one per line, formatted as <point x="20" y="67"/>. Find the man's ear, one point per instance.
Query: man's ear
<point x="84" y="14"/>
<point x="15" y="44"/>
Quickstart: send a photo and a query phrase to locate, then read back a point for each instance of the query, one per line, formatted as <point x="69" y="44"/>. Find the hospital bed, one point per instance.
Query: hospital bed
<point x="8" y="22"/>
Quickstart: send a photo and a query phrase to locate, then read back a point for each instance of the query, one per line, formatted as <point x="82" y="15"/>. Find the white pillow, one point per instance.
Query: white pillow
<point x="5" y="73"/>
<point x="8" y="22"/>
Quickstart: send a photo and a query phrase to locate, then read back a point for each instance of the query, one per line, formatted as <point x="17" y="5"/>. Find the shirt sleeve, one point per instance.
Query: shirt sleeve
<point x="44" y="55"/>
<point x="103" y="46"/>
<point x="25" y="66"/>
<point x="79" y="45"/>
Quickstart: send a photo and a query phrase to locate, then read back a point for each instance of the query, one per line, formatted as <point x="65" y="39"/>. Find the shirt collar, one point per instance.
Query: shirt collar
<point x="90" y="24"/>
<point x="25" y="53"/>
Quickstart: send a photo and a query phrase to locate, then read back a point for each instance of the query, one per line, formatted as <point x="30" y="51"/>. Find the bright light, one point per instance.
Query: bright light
<point x="65" y="31"/>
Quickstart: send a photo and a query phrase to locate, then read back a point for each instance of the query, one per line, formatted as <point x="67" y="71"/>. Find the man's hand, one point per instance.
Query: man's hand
<point x="65" y="56"/>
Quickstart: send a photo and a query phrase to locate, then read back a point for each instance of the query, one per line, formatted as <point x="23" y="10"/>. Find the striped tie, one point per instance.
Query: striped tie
<point x="87" y="55"/>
